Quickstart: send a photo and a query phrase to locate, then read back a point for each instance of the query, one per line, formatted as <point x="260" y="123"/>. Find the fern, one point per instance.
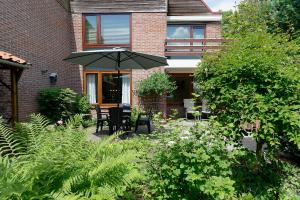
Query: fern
<point x="75" y="121"/>
<point x="37" y="127"/>
<point x="10" y="142"/>
<point x="61" y="163"/>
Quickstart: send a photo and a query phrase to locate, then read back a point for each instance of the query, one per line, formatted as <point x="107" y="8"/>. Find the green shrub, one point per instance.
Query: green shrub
<point x="88" y="122"/>
<point x="62" y="164"/>
<point x="134" y="115"/>
<point x="199" y="163"/>
<point x="82" y="104"/>
<point x="61" y="103"/>
<point x="247" y="82"/>
<point x="190" y="166"/>
<point x="157" y="84"/>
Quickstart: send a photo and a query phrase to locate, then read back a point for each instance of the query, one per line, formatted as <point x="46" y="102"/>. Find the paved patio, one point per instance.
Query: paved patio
<point x="247" y="141"/>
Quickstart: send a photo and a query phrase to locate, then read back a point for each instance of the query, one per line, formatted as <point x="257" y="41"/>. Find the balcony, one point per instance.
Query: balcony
<point x="192" y="47"/>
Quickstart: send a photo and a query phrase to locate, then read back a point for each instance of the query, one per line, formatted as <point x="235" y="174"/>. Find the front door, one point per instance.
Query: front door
<point x="184" y="90"/>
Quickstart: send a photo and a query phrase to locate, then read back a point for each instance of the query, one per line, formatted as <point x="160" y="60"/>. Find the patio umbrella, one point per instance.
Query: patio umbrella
<point x="116" y="59"/>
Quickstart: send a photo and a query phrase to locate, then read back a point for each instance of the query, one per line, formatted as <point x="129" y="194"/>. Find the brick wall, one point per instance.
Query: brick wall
<point x="40" y="32"/>
<point x="213" y="30"/>
<point x="76" y="78"/>
<point x="148" y="36"/>
<point x="5" y="94"/>
<point x="43" y="33"/>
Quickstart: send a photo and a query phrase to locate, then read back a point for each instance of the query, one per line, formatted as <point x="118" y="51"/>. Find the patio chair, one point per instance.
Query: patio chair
<point x="144" y="119"/>
<point x="188" y="104"/>
<point x="126" y="117"/>
<point x="115" y="119"/>
<point x="101" y="118"/>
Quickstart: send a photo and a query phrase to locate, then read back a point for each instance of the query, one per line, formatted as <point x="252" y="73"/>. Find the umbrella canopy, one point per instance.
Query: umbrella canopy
<point x="116" y="59"/>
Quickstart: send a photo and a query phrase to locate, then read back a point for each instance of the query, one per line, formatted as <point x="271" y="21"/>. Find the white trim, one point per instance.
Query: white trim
<point x="182" y="63"/>
<point x="206" y="18"/>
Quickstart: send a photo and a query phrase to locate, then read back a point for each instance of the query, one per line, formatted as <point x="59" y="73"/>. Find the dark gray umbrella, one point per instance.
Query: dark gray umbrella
<point x="116" y="59"/>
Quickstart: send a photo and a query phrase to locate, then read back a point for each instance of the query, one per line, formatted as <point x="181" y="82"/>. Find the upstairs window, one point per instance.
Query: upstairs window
<point x="106" y="30"/>
<point x="91" y="29"/>
<point x="183" y="41"/>
<point x="185" y="32"/>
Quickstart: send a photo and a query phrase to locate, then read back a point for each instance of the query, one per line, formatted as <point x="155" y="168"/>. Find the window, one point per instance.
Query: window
<point x="178" y="32"/>
<point x="91" y="29"/>
<point x="184" y="37"/>
<point x="115" y="29"/>
<point x="108" y="89"/>
<point x="185" y="32"/>
<point x="91" y="88"/>
<point x="107" y="30"/>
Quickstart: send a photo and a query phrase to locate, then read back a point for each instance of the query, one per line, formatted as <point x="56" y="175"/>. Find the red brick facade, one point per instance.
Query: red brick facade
<point x="43" y="32"/>
<point x="148" y="36"/>
<point x="213" y="30"/>
<point x="39" y="32"/>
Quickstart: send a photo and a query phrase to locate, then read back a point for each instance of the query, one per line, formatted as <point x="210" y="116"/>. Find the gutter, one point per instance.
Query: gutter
<point x="22" y="66"/>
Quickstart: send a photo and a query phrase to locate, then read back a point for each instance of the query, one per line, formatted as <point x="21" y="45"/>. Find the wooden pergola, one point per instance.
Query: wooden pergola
<point x="11" y="68"/>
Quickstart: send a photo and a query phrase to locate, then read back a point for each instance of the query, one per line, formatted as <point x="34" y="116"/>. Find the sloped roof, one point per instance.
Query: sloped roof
<point x="187" y="7"/>
<point x="11" y="60"/>
<point x="9" y="57"/>
<point x="109" y="6"/>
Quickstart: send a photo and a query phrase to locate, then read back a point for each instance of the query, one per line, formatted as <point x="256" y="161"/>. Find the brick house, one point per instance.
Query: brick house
<point x="45" y="31"/>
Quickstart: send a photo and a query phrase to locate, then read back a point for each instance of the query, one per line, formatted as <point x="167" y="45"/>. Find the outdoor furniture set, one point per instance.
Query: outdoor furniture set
<point x="119" y="118"/>
<point x="202" y="114"/>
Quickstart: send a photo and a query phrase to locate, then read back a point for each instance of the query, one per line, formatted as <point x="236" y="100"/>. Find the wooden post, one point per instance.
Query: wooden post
<point x="14" y="100"/>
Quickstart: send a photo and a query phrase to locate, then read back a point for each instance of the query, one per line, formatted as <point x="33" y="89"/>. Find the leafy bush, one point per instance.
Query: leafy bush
<point x="61" y="163"/>
<point x="275" y="16"/>
<point x="248" y="82"/>
<point x="190" y="166"/>
<point x="60" y="103"/>
<point x="198" y="163"/>
<point x="134" y="115"/>
<point x="88" y="122"/>
<point x="157" y="83"/>
<point x="82" y="105"/>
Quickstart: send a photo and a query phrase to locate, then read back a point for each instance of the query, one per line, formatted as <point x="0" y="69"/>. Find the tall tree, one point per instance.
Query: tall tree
<point x="276" y="16"/>
<point x="284" y="15"/>
<point x="256" y="78"/>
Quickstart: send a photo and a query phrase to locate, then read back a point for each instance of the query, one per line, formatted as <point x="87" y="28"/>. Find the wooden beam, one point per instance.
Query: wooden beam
<point x="4" y="84"/>
<point x="14" y="100"/>
<point x="193" y="47"/>
<point x="199" y="40"/>
<point x="187" y="53"/>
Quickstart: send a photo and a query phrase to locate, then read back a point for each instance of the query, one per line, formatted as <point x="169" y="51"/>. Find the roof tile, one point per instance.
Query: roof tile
<point x="12" y="58"/>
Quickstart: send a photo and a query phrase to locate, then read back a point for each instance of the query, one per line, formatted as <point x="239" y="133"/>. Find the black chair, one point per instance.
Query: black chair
<point x="115" y="119"/>
<point x="126" y="117"/>
<point x="101" y="118"/>
<point x="144" y="119"/>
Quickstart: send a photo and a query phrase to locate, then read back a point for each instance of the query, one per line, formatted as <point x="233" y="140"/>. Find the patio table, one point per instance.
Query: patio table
<point x="119" y="118"/>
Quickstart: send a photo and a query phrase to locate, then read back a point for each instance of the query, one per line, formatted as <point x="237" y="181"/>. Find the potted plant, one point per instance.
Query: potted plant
<point x="152" y="90"/>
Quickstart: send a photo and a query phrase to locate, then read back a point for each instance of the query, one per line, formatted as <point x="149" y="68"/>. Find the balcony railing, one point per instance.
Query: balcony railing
<point x="193" y="47"/>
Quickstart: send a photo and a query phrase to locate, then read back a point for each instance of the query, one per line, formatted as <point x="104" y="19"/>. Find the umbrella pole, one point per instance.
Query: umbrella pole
<point x="118" y="84"/>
